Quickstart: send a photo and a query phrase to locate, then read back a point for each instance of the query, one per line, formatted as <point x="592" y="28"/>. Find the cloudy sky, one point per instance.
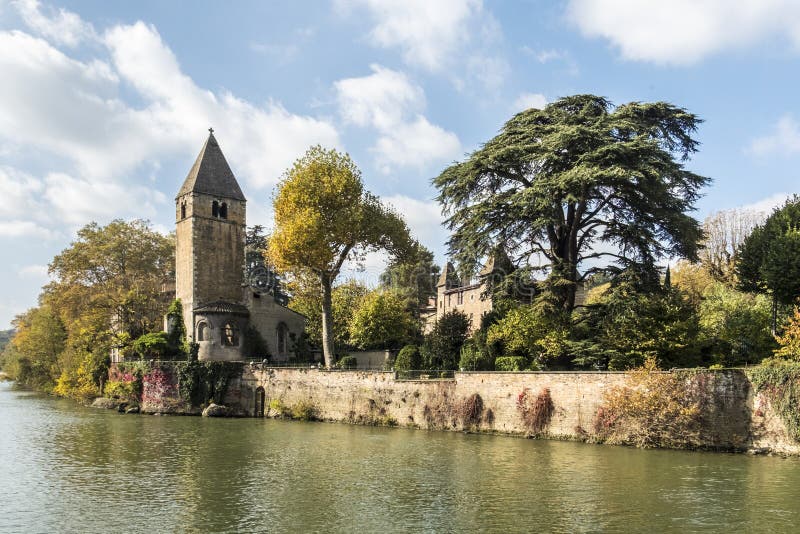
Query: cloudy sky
<point x="104" y="105"/>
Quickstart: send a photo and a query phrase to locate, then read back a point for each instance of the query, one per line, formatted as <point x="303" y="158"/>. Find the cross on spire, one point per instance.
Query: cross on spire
<point x="211" y="130"/>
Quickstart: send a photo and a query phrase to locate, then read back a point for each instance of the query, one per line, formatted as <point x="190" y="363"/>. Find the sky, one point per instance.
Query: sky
<point x="105" y="105"/>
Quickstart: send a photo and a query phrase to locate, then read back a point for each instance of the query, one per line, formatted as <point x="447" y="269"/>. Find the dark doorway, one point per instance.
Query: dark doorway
<point x="260" y="398"/>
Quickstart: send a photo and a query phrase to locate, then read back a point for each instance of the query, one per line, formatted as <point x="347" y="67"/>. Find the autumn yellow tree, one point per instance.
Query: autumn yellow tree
<point x="323" y="218"/>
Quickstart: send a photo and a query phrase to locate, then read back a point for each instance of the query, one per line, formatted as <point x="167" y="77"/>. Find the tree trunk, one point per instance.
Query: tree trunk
<point x="327" y="322"/>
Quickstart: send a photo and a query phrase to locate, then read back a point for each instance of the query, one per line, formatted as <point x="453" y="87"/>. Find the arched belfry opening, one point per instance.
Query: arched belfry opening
<point x="215" y="209"/>
<point x="223" y="211"/>
<point x="183" y="210"/>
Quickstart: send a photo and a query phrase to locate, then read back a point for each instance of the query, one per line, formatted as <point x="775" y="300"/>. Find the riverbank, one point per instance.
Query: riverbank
<point x="693" y="409"/>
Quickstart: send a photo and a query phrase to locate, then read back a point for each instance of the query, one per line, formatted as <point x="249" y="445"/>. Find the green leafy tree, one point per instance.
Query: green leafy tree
<point x="414" y="274"/>
<point x="735" y="325"/>
<point x="633" y="322"/>
<point x="538" y="337"/>
<point x="769" y="258"/>
<point x="383" y="321"/>
<point x="408" y="359"/>
<point x="323" y="217"/>
<point x="36" y="348"/>
<point x="558" y="182"/>
<point x="441" y="348"/>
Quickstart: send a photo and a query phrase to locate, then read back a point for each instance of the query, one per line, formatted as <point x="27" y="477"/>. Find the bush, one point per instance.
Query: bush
<point x="475" y="358"/>
<point x="122" y="390"/>
<point x="510" y="363"/>
<point x="347" y="362"/>
<point x="255" y="347"/>
<point x="408" y="359"/>
<point x="304" y="411"/>
<point x="153" y="345"/>
<point x="536" y="411"/>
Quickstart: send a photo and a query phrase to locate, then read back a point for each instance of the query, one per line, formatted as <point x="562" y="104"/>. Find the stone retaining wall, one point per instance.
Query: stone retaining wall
<point x="734" y="417"/>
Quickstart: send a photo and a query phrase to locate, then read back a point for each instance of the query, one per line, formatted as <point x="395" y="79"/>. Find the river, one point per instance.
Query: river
<point x="67" y="468"/>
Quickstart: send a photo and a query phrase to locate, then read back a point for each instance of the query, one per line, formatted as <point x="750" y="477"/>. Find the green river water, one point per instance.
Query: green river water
<point x="67" y="468"/>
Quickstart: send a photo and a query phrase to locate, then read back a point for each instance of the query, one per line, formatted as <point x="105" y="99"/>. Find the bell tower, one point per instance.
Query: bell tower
<point x="210" y="237"/>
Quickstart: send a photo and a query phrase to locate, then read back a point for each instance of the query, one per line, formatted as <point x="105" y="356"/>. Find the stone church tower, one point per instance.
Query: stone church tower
<point x="218" y="303"/>
<point x="209" y="253"/>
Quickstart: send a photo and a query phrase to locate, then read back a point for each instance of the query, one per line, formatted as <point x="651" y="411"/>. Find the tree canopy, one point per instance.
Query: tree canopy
<point x="324" y="217"/>
<point x="576" y="181"/>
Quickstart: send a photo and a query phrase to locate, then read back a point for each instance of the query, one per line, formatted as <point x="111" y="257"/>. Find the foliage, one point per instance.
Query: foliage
<point x="202" y="382"/>
<point x="441" y="348"/>
<point x="470" y="411"/>
<point x="153" y="345"/>
<point x="536" y="412"/>
<point x="254" y="346"/>
<point x="382" y="321"/>
<point x="655" y="409"/>
<point x="305" y="411"/>
<point x="176" y="329"/>
<point x="692" y="280"/>
<point x="510" y="363"/>
<point x="556" y="183"/>
<point x="769" y="258"/>
<point x="120" y="389"/>
<point x="324" y="217"/>
<point x="32" y="358"/>
<point x="779" y="381"/>
<point x="414" y="275"/>
<point x="789" y="341"/>
<point x="347" y="362"/>
<point x="408" y="359"/>
<point x="636" y="320"/>
<point x="735" y="326"/>
<point x="475" y="356"/>
<point x="526" y="331"/>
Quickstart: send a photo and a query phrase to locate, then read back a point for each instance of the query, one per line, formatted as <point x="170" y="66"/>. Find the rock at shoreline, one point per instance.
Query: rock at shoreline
<point x="216" y="410"/>
<point x="106" y="403"/>
<point x="132" y="409"/>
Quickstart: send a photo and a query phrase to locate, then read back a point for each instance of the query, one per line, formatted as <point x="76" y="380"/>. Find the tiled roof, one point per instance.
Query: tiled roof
<point x="211" y="174"/>
<point x="222" y="307"/>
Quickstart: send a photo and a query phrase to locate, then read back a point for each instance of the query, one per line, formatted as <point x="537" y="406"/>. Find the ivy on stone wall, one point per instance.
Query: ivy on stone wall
<point x="201" y="382"/>
<point x="780" y="383"/>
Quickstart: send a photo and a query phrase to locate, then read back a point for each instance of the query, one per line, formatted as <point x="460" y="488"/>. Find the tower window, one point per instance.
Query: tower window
<point x="183" y="210"/>
<point x="215" y="209"/>
<point x="230" y="335"/>
<point x="223" y="211"/>
<point x="202" y="331"/>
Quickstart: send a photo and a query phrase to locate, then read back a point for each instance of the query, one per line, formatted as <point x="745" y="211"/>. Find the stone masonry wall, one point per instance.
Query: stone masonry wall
<point x="735" y="418"/>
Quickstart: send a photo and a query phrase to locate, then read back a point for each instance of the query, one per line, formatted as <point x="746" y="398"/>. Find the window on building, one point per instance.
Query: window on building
<point x="202" y="331"/>
<point x="230" y="335"/>
<point x="461" y="297"/>
<point x="183" y="210"/>
<point x="223" y="211"/>
<point x="215" y="209"/>
<point x="282" y="339"/>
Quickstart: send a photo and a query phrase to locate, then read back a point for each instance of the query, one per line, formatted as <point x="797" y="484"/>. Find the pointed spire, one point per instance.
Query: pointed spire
<point x="211" y="173"/>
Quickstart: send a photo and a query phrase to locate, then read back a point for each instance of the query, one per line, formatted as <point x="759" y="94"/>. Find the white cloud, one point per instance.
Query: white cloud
<point x="785" y="139"/>
<point x="71" y="114"/>
<point x="387" y="101"/>
<point x="424" y="219"/>
<point x="530" y="100"/>
<point x="765" y="206"/>
<point x="685" y="31"/>
<point x="380" y="99"/>
<point x="21" y="228"/>
<point x="62" y="26"/>
<point x="34" y="271"/>
<point x="429" y="33"/>
<point x="491" y="71"/>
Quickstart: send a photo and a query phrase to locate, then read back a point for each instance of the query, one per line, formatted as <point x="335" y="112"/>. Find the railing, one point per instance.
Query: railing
<point x="425" y="374"/>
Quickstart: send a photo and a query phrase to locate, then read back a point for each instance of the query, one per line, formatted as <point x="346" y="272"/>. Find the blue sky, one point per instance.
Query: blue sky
<point x="104" y="105"/>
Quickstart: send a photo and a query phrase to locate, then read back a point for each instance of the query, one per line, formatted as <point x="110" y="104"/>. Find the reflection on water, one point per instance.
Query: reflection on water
<point x="65" y="468"/>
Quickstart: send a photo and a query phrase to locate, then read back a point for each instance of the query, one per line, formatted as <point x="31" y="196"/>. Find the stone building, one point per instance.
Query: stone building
<point x="453" y="294"/>
<point x="218" y="304"/>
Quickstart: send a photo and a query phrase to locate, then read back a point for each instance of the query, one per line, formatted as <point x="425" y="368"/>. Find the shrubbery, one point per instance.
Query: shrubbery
<point x="408" y="359"/>
<point x="347" y="362"/>
<point x="510" y="363"/>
